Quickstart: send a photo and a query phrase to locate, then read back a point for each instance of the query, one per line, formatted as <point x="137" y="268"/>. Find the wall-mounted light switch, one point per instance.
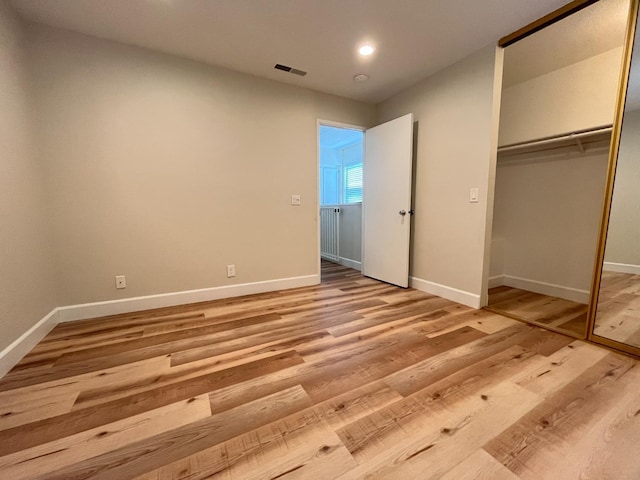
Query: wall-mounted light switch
<point x="474" y="195"/>
<point x="296" y="200"/>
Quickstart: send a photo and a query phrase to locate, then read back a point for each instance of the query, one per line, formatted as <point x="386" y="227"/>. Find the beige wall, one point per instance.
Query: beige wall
<point x="547" y="217"/>
<point x="26" y="281"/>
<point x="456" y="115"/>
<point x="166" y="170"/>
<point x="577" y="97"/>
<point x="624" y="223"/>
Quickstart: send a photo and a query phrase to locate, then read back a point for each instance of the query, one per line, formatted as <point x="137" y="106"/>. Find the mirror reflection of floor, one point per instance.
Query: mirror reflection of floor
<point x="564" y="315"/>
<point x="618" y="314"/>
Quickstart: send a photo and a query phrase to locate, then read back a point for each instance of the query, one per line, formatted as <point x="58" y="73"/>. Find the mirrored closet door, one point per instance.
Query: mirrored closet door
<point x="558" y="106"/>
<point x="616" y="304"/>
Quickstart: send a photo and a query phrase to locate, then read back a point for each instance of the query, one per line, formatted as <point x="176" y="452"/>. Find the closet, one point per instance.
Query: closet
<point x="558" y="105"/>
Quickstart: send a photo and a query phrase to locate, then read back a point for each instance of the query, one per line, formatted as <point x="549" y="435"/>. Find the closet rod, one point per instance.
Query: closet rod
<point x="546" y="141"/>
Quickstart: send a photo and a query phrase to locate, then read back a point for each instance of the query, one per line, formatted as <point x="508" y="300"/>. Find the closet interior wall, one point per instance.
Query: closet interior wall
<point x="548" y="200"/>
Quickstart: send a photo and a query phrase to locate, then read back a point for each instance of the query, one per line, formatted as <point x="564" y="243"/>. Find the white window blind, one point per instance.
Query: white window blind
<point x="353" y="184"/>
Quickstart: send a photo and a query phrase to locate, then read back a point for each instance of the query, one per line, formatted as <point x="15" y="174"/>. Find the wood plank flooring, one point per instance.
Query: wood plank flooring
<point x="618" y="313"/>
<point x="351" y="379"/>
<point x="565" y="315"/>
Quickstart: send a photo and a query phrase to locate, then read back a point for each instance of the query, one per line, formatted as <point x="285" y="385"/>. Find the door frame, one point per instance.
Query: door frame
<point x="330" y="123"/>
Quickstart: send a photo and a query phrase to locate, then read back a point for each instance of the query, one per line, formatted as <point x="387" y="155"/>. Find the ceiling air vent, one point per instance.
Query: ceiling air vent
<point x="286" y="68"/>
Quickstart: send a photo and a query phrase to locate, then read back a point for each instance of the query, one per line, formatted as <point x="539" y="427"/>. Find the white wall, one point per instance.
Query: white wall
<point x="577" y="97"/>
<point x="456" y="113"/>
<point x="165" y="170"/>
<point x="330" y="156"/>
<point x="351" y="232"/>
<point x="546" y="220"/>
<point x="26" y="279"/>
<point x="624" y="222"/>
<point x="352" y="155"/>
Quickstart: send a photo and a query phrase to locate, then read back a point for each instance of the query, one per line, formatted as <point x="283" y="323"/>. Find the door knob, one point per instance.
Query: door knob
<point x="402" y="212"/>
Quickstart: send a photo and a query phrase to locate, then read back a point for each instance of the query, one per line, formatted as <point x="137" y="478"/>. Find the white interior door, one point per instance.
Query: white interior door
<point x="387" y="201"/>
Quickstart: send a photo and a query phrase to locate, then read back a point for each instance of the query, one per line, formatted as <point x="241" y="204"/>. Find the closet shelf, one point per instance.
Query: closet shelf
<point x="578" y="142"/>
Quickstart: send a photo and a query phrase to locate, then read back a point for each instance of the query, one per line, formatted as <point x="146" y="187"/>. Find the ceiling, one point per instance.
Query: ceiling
<point x="337" y="137"/>
<point x="414" y="38"/>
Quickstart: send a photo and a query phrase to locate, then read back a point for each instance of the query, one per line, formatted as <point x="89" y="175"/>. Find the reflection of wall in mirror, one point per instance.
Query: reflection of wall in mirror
<point x="547" y="212"/>
<point x="632" y="102"/>
<point x="547" y="216"/>
<point x="576" y="97"/>
<point x="623" y="238"/>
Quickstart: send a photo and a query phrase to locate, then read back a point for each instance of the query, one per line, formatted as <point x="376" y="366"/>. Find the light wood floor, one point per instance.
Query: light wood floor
<point x="618" y="313"/>
<point x="351" y="379"/>
<point x="568" y="316"/>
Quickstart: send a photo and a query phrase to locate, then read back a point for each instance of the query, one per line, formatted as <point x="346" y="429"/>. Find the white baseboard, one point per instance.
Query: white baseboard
<point x="621" y="268"/>
<point x="543" y="288"/>
<point x="134" y="304"/>
<point x="450" y="293"/>
<point x="347" y="262"/>
<point x="12" y="354"/>
<point x="497" y="281"/>
<point x="331" y="258"/>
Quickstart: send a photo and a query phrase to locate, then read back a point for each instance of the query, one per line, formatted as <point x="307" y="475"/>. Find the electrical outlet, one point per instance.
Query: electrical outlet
<point x="296" y="200"/>
<point x="121" y="282"/>
<point x="231" y="271"/>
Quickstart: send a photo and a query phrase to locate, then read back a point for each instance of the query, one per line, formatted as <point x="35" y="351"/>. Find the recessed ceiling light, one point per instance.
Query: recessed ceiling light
<point x="361" y="77"/>
<point x="366" y="50"/>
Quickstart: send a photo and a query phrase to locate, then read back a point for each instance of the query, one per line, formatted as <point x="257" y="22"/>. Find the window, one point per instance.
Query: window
<point x="353" y="184"/>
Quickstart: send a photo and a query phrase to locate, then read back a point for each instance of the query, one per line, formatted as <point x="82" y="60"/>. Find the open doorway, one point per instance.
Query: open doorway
<point x="341" y="154"/>
<point x="364" y="180"/>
